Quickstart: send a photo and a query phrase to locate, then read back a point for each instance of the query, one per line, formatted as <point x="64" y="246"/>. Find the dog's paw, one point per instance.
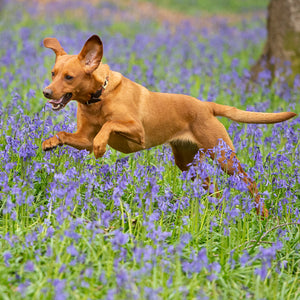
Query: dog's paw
<point x="99" y="150"/>
<point x="51" y="143"/>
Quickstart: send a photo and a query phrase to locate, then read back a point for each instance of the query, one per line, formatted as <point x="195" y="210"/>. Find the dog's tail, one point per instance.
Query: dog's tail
<point x="243" y="116"/>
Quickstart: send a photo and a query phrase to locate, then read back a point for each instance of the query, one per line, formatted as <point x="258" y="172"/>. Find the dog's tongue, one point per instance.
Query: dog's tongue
<point x="56" y="102"/>
<point x="60" y="103"/>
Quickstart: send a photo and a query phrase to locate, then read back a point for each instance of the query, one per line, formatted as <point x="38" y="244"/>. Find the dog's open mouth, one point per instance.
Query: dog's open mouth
<point x="60" y="103"/>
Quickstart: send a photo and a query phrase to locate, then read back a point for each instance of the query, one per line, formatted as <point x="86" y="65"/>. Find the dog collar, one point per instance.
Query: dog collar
<point x="95" y="97"/>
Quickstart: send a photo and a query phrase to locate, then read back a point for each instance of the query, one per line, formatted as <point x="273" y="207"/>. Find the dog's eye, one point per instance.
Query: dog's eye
<point x="69" y="77"/>
<point x="52" y="74"/>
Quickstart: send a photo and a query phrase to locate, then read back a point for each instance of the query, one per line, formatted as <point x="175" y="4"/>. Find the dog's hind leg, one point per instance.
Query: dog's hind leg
<point x="184" y="154"/>
<point x="211" y="133"/>
<point x="230" y="164"/>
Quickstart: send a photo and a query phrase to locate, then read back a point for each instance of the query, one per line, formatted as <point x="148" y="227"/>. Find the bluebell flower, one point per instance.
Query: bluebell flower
<point x="72" y="250"/>
<point x="29" y="266"/>
<point x="281" y="265"/>
<point x="50" y="231"/>
<point x="72" y="234"/>
<point x="212" y="277"/>
<point x="262" y="271"/>
<point x="22" y="288"/>
<point x="62" y="268"/>
<point x="49" y="251"/>
<point x="119" y="239"/>
<point x="85" y="284"/>
<point x="152" y="294"/>
<point x="89" y="272"/>
<point x="7" y="256"/>
<point x="59" y="287"/>
<point x="111" y="294"/>
<point x="122" y="278"/>
<point x="245" y="259"/>
<point x="231" y="260"/>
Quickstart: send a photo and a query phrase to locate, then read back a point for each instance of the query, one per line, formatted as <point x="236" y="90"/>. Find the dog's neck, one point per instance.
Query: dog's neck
<point x="100" y="75"/>
<point x="95" y="97"/>
<point x="107" y="80"/>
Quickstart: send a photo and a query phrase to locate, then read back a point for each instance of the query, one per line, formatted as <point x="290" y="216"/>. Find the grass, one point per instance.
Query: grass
<point x="132" y="226"/>
<point x="214" y="6"/>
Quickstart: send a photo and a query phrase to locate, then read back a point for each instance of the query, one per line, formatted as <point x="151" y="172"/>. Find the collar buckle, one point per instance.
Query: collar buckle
<point x="105" y="83"/>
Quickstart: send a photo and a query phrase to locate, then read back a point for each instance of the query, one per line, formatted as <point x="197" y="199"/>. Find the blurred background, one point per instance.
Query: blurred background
<point x="173" y="11"/>
<point x="128" y="226"/>
<point x="132" y="30"/>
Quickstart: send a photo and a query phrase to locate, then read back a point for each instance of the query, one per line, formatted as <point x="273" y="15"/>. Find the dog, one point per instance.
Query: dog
<point x="115" y="111"/>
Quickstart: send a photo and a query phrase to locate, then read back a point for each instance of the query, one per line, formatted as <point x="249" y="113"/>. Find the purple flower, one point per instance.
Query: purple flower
<point x="85" y="284"/>
<point x="157" y="235"/>
<point x="59" y="287"/>
<point x="31" y="238"/>
<point x="106" y="217"/>
<point x="29" y="266"/>
<point x="49" y="251"/>
<point x="50" y="232"/>
<point x="7" y="256"/>
<point x="89" y="272"/>
<point x="62" y="268"/>
<point x="245" y="258"/>
<point x="72" y="234"/>
<point x="119" y="239"/>
<point x="231" y="260"/>
<point x="72" y="250"/>
<point x="122" y="278"/>
<point x="262" y="271"/>
<point x="152" y="294"/>
<point x="197" y="263"/>
<point x="111" y="293"/>
<point x="212" y="277"/>
<point x="102" y="278"/>
<point x="281" y="265"/>
<point x="22" y="288"/>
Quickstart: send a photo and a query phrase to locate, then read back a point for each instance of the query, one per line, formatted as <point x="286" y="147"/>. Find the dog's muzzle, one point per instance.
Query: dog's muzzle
<point x="60" y="103"/>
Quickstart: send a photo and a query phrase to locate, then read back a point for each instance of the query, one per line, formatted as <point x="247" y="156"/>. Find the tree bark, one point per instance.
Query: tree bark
<point x="283" y="41"/>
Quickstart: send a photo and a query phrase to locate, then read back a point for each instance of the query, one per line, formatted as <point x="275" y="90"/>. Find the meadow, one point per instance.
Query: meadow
<point x="133" y="226"/>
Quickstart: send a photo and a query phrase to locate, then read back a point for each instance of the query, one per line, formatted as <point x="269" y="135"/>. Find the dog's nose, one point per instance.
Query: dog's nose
<point x="47" y="93"/>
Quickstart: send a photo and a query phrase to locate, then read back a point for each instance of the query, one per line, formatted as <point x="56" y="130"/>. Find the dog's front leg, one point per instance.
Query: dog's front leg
<point x="131" y="129"/>
<point x="77" y="140"/>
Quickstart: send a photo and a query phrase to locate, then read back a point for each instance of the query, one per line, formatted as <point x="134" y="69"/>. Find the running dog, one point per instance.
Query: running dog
<point x="115" y="111"/>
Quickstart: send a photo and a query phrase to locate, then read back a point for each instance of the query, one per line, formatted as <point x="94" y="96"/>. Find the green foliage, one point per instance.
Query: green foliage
<point x="213" y="6"/>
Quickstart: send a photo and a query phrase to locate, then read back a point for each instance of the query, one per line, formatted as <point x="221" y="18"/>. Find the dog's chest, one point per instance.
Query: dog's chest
<point x="93" y="115"/>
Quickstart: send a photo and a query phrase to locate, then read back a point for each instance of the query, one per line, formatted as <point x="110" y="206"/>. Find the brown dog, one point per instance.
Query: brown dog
<point x="130" y="118"/>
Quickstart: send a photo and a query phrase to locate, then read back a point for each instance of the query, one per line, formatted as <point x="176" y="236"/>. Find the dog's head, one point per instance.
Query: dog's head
<point x="72" y="74"/>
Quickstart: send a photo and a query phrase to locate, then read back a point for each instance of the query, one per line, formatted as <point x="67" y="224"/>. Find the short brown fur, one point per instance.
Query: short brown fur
<point x="130" y="118"/>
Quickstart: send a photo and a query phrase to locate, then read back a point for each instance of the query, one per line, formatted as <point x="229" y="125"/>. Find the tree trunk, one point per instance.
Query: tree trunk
<point x="283" y="41"/>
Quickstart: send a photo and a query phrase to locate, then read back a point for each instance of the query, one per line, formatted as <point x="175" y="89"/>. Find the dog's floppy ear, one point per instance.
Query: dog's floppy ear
<point x="54" y="44"/>
<point x="91" y="54"/>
